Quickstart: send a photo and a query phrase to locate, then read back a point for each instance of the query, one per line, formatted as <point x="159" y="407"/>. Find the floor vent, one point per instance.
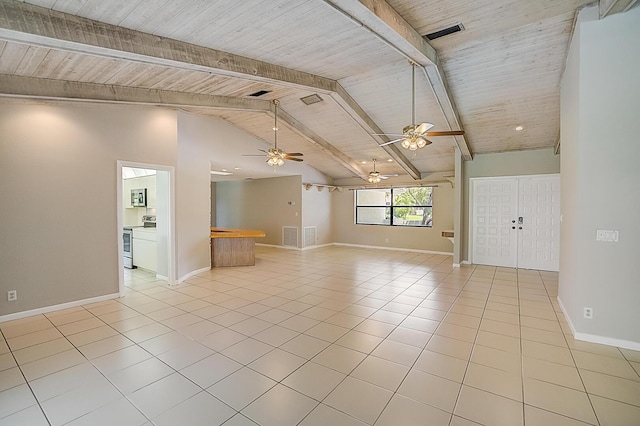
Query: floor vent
<point x="310" y="236"/>
<point x="290" y="236"/>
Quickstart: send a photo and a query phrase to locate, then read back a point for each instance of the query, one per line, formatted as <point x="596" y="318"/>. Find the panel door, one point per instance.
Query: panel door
<point x="539" y="232"/>
<point x="495" y="203"/>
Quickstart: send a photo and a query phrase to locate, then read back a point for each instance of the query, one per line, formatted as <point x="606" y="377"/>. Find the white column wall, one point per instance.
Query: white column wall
<point x="600" y="174"/>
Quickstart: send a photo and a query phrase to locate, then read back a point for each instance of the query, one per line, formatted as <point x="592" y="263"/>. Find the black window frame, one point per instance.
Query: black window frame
<point x="390" y="205"/>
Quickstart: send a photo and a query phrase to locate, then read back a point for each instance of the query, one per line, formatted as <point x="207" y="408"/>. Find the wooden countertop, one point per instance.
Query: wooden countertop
<point x="236" y="233"/>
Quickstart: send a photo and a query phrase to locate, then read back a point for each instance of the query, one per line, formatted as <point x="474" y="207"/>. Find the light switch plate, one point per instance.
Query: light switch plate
<point x="607" y="235"/>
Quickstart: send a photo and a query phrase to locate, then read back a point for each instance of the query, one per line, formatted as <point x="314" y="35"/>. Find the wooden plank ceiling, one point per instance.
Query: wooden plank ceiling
<point x="207" y="57"/>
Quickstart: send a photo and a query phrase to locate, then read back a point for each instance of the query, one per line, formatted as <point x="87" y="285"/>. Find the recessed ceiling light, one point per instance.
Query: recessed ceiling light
<point x="236" y="168"/>
<point x="224" y="170"/>
<point x="518" y="128"/>
<point x="215" y="172"/>
<point x="390" y="160"/>
<point x="363" y="162"/>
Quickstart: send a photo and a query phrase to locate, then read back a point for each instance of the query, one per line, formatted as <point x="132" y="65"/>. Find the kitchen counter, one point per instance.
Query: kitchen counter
<point x="233" y="247"/>
<point x="236" y="233"/>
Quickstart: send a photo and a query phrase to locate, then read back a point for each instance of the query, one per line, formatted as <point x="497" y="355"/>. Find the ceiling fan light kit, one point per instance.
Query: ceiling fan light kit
<point x="414" y="136"/>
<point x="276" y="156"/>
<point x="375" y="176"/>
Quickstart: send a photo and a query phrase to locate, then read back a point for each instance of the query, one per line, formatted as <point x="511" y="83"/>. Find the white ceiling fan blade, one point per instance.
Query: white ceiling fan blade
<point x="390" y="142"/>
<point x="423" y="128"/>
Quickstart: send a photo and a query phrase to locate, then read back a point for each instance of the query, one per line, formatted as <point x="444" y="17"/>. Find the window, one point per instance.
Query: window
<point x="394" y="206"/>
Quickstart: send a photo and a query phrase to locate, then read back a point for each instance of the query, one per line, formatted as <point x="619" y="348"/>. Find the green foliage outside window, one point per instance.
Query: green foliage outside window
<point x="395" y="207"/>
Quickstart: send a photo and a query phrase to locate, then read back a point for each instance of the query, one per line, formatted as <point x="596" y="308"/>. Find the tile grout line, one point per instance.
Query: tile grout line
<point x="484" y="309"/>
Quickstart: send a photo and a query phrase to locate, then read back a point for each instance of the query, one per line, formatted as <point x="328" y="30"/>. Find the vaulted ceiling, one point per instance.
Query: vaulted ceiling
<point x="208" y="56"/>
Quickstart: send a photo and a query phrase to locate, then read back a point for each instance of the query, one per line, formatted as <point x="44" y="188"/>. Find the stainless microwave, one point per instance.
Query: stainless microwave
<point x="139" y="197"/>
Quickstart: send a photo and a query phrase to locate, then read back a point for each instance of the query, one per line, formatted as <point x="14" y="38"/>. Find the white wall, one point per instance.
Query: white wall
<point x="316" y="211"/>
<point x="428" y="239"/>
<point x="58" y="230"/>
<point x="262" y="204"/>
<point x="163" y="221"/>
<point x="197" y="140"/>
<point x="600" y="173"/>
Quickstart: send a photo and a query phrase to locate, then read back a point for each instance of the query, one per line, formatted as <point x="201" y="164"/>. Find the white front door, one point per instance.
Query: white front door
<point x="494" y="210"/>
<point x="516" y="222"/>
<point x="539" y="234"/>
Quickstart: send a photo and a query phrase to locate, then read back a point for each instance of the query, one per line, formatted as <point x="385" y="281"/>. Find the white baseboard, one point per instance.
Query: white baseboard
<point x="620" y="343"/>
<point x="295" y="248"/>
<point x="594" y="338"/>
<point x="357" y="246"/>
<point x="456" y="265"/>
<point x="47" y="309"/>
<point x="444" y="253"/>
<point x="466" y="262"/>
<point x="162" y="277"/>
<point x="317" y="246"/>
<point x="277" y="246"/>
<point x="191" y="274"/>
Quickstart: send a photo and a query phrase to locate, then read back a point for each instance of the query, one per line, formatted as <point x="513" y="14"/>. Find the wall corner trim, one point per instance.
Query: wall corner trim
<point x="594" y="338"/>
<point x="191" y="274"/>
<point x="47" y="309"/>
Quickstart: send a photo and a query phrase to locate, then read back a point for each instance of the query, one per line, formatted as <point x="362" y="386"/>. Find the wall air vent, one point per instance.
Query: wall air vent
<point x="259" y="93"/>
<point x="290" y="236"/>
<point x="310" y="236"/>
<point x="444" y="32"/>
<point x="311" y="99"/>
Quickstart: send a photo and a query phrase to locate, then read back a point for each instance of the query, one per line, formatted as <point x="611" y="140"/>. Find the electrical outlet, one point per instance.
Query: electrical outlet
<point x="12" y="296"/>
<point x="588" y="313"/>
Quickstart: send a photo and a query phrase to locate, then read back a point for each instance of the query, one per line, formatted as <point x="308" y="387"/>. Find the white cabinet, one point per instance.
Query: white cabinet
<point x="145" y="248"/>
<point x="150" y="184"/>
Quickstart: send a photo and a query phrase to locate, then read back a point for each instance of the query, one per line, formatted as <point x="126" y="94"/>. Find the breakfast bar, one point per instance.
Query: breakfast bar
<point x="233" y="247"/>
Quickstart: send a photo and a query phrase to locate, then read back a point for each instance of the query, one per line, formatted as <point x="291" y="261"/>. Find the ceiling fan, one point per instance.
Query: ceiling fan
<point x="276" y="156"/>
<point x="375" y="176"/>
<point x="414" y="136"/>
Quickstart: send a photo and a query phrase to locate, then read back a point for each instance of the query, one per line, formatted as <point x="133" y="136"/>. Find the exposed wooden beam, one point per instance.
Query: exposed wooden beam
<point x="439" y="85"/>
<point x="362" y="118"/>
<point x="25" y="23"/>
<point x="380" y="18"/>
<point x="611" y="7"/>
<point x="325" y="146"/>
<point x="556" y="147"/>
<point x="19" y="86"/>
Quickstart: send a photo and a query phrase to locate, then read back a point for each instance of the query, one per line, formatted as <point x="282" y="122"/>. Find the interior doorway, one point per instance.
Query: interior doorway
<point x="153" y="205"/>
<point x="515" y="222"/>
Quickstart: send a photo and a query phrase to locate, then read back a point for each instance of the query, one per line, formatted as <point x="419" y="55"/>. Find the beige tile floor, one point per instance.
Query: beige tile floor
<point x="332" y="336"/>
